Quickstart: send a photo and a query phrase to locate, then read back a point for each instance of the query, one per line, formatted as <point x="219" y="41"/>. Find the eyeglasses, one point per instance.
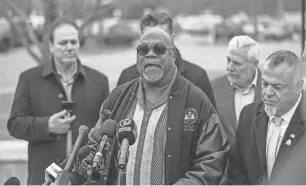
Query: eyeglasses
<point x="159" y="48"/>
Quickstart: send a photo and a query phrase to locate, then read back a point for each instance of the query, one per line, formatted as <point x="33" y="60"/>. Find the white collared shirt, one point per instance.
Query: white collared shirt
<point x="246" y="97"/>
<point x="284" y="125"/>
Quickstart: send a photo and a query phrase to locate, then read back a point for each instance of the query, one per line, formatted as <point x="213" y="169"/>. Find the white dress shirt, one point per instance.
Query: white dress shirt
<point x="243" y="98"/>
<point x="286" y="118"/>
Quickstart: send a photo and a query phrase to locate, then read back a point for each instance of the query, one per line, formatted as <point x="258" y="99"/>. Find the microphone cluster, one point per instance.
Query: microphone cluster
<point x="125" y="133"/>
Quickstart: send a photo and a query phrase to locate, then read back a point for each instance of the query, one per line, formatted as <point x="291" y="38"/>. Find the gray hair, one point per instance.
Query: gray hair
<point x="247" y="45"/>
<point x="285" y="56"/>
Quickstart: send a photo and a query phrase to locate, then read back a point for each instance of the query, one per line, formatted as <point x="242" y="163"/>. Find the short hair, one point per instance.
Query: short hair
<point x="156" y="18"/>
<point x="246" y="44"/>
<point x="59" y="23"/>
<point x="285" y="56"/>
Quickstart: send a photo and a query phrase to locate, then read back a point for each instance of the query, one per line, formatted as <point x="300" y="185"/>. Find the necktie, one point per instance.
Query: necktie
<point x="273" y="141"/>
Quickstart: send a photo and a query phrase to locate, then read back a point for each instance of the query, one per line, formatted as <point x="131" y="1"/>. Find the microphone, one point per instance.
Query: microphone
<point x="63" y="178"/>
<point x="12" y="181"/>
<point x="83" y="153"/>
<point x="126" y="134"/>
<point x="107" y="130"/>
<point x="54" y="170"/>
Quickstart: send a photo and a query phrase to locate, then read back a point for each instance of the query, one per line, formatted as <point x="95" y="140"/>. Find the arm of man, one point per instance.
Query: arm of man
<point x="210" y="158"/>
<point x="205" y="85"/>
<point x="22" y="124"/>
<point x="237" y="175"/>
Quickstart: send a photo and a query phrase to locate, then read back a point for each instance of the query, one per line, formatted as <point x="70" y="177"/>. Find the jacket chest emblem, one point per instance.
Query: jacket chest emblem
<point x="190" y="118"/>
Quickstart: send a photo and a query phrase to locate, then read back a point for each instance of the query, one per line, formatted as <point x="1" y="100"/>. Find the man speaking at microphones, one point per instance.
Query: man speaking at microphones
<point x="180" y="138"/>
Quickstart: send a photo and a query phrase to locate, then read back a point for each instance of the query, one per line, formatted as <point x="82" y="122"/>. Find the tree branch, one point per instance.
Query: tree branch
<point x="69" y="9"/>
<point x="97" y="12"/>
<point x="29" y="30"/>
<point x="24" y="40"/>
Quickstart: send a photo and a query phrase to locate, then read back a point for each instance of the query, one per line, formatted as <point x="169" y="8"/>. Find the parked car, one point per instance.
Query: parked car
<point x="122" y="32"/>
<point x="9" y="37"/>
<point x="5" y="35"/>
<point x="226" y="30"/>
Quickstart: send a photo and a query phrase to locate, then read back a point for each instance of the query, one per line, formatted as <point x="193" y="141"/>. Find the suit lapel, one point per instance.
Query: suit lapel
<point x="229" y="97"/>
<point x="261" y="124"/>
<point x="293" y="133"/>
<point x="258" y="87"/>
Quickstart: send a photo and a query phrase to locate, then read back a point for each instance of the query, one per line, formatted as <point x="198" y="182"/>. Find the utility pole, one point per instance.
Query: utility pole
<point x="303" y="25"/>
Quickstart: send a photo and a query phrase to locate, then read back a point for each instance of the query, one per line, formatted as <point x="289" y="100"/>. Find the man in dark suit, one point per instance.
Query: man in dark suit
<point x="38" y="113"/>
<point x="270" y="134"/>
<point x="190" y="71"/>
<point x="241" y="85"/>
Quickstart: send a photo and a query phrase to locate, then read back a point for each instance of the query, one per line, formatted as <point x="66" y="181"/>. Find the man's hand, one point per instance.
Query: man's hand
<point x="59" y="124"/>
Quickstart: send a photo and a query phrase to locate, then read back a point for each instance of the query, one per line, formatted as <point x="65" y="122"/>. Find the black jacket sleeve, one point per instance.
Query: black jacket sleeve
<point x="204" y="84"/>
<point x="237" y="174"/>
<point x="22" y="124"/>
<point x="210" y="157"/>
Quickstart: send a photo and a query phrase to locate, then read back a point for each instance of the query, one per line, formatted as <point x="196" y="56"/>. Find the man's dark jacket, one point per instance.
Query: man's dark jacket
<point x="247" y="160"/>
<point x="190" y="71"/>
<point x="38" y="96"/>
<point x="196" y="150"/>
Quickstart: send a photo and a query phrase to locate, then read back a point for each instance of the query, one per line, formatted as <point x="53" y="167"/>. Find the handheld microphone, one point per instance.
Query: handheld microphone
<point x="12" y="181"/>
<point x="54" y="170"/>
<point x="63" y="178"/>
<point x="107" y="130"/>
<point x="126" y="134"/>
<point x="83" y="130"/>
<point x="83" y="153"/>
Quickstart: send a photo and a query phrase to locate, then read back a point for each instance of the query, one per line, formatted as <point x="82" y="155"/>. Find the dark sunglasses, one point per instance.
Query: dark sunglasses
<point x="159" y="48"/>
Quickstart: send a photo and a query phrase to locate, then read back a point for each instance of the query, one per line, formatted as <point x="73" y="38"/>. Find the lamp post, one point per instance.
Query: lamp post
<point x="303" y="26"/>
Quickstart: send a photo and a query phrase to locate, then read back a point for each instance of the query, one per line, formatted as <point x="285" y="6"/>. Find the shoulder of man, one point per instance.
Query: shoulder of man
<point x="32" y="73"/>
<point x="194" y="70"/>
<point x="219" y="82"/>
<point x="132" y="68"/>
<point x="128" y="74"/>
<point x="251" y="111"/>
<point x="118" y="91"/>
<point x="95" y="73"/>
<point x="197" y="97"/>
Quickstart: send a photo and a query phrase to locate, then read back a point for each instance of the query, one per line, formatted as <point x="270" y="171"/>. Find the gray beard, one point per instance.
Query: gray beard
<point x="152" y="77"/>
<point x="271" y="111"/>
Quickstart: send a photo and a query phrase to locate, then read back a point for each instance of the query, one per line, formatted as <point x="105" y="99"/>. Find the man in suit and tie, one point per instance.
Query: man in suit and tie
<point x="270" y="132"/>
<point x="241" y="85"/>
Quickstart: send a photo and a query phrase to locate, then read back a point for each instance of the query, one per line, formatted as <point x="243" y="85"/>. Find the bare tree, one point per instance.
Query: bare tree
<point x="40" y="50"/>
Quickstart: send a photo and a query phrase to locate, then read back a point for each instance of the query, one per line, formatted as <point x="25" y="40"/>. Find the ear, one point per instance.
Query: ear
<point x="300" y="85"/>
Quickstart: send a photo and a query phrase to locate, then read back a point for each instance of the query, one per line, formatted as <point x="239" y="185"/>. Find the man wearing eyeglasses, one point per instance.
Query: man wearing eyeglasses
<point x="180" y="138"/>
<point x="188" y="70"/>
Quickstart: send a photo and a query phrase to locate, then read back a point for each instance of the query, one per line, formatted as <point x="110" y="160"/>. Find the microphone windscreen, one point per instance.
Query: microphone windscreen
<point x="109" y="128"/>
<point x="127" y="129"/>
<point x="83" y="129"/>
<point x="83" y="152"/>
<point x="12" y="181"/>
